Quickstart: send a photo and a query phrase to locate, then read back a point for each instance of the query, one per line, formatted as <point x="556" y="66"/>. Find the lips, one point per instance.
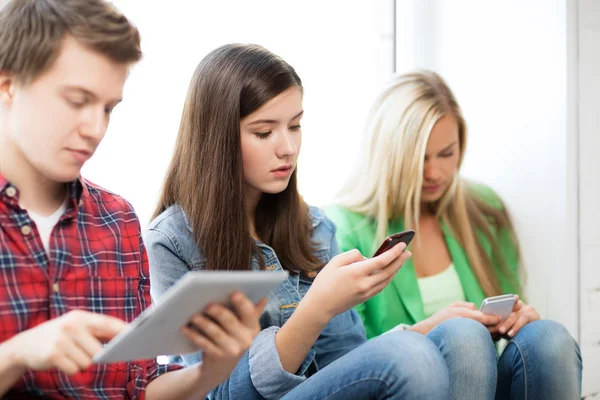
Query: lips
<point x="283" y="172"/>
<point x="433" y="188"/>
<point x="283" y="168"/>
<point x="80" y="155"/>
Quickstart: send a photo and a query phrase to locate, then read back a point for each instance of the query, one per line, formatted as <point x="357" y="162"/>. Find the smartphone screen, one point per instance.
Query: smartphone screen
<point x="392" y="240"/>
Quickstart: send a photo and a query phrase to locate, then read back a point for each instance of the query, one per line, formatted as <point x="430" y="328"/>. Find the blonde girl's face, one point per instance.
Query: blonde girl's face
<point x="442" y="157"/>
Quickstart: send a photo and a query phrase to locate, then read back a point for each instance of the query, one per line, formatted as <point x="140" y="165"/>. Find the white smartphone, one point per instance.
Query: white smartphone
<point x="499" y="305"/>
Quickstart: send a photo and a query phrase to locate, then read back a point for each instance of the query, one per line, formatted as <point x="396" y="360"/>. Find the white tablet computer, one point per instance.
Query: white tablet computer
<point x="156" y="331"/>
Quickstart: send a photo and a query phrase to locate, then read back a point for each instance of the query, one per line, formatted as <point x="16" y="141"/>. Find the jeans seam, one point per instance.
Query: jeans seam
<point x="356" y="383"/>
<point x="524" y="367"/>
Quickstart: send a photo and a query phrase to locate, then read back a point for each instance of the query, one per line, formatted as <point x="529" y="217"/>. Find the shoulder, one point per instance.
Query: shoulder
<point x="99" y="196"/>
<point x="171" y="230"/>
<point x="172" y="220"/>
<point x="485" y="194"/>
<point x="104" y="207"/>
<point x="344" y="217"/>
<point x="321" y="224"/>
<point x="349" y="222"/>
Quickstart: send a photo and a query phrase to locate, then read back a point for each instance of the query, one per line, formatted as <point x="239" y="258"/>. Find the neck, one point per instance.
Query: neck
<point x="37" y="193"/>
<point x="426" y="211"/>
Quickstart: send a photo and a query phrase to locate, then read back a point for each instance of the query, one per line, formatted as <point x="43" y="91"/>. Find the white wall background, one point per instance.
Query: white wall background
<point x="341" y="49"/>
<point x="585" y="78"/>
<point x="526" y="76"/>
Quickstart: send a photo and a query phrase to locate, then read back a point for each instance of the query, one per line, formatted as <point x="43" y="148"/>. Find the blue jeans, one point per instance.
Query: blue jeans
<point x="542" y="361"/>
<point x="400" y="365"/>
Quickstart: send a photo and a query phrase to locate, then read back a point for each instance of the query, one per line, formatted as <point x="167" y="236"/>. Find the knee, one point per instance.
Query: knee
<point x="464" y="336"/>
<point x="468" y="350"/>
<point x="548" y="342"/>
<point x="414" y="358"/>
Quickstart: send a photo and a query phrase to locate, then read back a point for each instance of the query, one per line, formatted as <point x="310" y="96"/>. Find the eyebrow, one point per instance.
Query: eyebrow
<point x="87" y="93"/>
<point x="273" y="121"/>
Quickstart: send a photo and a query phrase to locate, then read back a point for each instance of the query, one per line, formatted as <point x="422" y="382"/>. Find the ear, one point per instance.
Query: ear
<point x="7" y="88"/>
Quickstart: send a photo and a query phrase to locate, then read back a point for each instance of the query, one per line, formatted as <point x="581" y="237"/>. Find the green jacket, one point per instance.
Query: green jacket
<point x="400" y="301"/>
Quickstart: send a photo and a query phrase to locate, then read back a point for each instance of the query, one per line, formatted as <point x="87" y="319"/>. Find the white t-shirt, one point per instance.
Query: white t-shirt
<point x="46" y="224"/>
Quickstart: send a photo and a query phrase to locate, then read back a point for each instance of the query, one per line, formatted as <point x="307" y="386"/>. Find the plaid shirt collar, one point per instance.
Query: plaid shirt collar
<point x="78" y="191"/>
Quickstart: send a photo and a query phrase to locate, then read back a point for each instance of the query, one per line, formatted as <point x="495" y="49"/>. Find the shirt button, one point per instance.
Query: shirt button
<point x="26" y="230"/>
<point x="55" y="287"/>
<point x="311" y="274"/>
<point x="11" y="192"/>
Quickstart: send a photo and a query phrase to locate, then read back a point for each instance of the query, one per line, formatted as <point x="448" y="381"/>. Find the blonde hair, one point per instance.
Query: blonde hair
<point x="387" y="184"/>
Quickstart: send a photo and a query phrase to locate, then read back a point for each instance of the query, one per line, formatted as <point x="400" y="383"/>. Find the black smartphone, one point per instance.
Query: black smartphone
<point x="394" y="239"/>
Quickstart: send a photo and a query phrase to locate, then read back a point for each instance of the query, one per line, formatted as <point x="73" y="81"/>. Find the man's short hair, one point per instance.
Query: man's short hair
<point x="32" y="32"/>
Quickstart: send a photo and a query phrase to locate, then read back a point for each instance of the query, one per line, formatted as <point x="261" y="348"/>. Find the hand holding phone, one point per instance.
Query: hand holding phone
<point x="499" y="305"/>
<point x="392" y="240"/>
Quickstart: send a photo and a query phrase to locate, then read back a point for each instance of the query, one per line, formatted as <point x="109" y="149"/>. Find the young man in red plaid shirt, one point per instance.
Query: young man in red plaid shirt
<point x="73" y="268"/>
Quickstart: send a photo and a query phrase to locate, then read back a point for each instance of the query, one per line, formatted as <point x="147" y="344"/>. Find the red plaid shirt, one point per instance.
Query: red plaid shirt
<point x="97" y="263"/>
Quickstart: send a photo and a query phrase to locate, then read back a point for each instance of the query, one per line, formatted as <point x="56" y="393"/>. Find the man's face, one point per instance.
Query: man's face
<point x="56" y="122"/>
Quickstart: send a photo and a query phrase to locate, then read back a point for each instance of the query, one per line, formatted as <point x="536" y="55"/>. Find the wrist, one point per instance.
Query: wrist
<point x="318" y="314"/>
<point x="422" y="327"/>
<point x="9" y="353"/>
<point x="205" y="383"/>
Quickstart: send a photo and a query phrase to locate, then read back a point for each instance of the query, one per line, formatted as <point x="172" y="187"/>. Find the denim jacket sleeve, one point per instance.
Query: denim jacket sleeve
<point x="267" y="374"/>
<point x="166" y="266"/>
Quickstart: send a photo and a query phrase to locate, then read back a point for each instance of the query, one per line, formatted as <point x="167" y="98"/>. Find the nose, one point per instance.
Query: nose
<point x="431" y="171"/>
<point x="287" y="146"/>
<point x="95" y="124"/>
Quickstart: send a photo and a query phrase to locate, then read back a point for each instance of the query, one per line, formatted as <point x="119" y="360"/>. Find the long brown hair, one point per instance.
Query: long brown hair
<point x="206" y="177"/>
<point x="387" y="184"/>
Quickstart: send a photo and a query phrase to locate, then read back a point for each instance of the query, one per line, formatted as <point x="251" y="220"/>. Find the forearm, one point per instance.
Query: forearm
<point x="10" y="369"/>
<point x="187" y="383"/>
<point x="297" y="336"/>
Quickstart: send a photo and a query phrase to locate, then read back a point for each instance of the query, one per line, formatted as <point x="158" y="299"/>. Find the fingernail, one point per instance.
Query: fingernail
<point x="502" y="330"/>
<point x="511" y="333"/>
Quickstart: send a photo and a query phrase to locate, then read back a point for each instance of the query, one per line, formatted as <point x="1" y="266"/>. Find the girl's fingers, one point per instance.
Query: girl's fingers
<point x="521" y="322"/>
<point x="216" y="334"/>
<point x="202" y="342"/>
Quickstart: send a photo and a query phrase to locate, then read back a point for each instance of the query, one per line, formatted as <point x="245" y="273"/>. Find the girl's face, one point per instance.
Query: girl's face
<point x="271" y="139"/>
<point x="442" y="156"/>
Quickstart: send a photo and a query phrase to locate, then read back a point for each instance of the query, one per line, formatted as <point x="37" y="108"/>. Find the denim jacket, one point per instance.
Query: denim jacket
<point x="172" y="252"/>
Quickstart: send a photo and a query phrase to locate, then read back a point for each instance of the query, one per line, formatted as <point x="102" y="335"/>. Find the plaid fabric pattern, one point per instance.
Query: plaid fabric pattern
<point x="97" y="263"/>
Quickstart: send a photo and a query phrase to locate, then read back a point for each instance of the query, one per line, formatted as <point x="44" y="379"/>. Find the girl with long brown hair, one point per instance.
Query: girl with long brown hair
<point x="230" y="202"/>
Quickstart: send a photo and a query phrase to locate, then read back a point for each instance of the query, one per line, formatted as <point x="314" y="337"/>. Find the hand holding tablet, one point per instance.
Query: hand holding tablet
<point x="158" y="330"/>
